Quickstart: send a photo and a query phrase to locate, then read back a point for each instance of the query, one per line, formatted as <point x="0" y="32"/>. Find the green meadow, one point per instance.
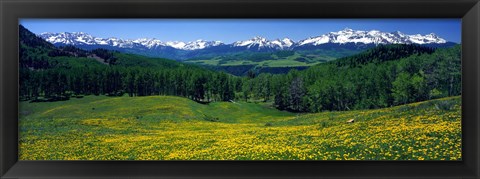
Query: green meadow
<point x="176" y="128"/>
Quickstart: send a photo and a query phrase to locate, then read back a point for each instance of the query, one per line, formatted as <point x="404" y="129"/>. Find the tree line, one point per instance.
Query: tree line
<point x="59" y="83"/>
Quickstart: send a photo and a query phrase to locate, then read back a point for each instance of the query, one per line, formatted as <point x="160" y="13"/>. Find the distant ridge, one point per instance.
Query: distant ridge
<point x="341" y="37"/>
<point x="346" y="38"/>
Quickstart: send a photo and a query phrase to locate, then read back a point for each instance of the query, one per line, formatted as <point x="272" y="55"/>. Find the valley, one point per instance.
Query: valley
<point x="258" y="54"/>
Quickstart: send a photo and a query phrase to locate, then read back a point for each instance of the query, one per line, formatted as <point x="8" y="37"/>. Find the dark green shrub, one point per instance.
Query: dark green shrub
<point x="323" y="124"/>
<point x="331" y="116"/>
<point x="445" y="105"/>
<point x="210" y="118"/>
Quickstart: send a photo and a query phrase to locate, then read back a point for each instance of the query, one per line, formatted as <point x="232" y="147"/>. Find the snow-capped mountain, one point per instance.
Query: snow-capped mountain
<point x="73" y="38"/>
<point x="201" y="44"/>
<point x="341" y="37"/>
<point x="149" y="43"/>
<point x="284" y="43"/>
<point x="80" y="38"/>
<point x="261" y="43"/>
<point x="371" y="37"/>
<point x="347" y="38"/>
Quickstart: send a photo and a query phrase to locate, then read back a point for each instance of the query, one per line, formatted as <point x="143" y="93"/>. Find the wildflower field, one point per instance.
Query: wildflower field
<point x="175" y="128"/>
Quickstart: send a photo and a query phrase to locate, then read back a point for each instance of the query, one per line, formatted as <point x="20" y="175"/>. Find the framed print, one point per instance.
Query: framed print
<point x="240" y="89"/>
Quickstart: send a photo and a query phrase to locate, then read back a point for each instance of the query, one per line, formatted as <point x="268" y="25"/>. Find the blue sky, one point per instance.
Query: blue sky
<point x="231" y="30"/>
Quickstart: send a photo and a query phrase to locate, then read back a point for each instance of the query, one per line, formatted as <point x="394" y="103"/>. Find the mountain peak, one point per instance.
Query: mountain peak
<point x="260" y="43"/>
<point x="347" y="35"/>
<point x="346" y="29"/>
<point x="371" y="37"/>
<point x="259" y="38"/>
<point x="82" y="38"/>
<point x="200" y="44"/>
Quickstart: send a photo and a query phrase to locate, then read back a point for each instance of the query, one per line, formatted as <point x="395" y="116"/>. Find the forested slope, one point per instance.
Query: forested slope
<point x="372" y="79"/>
<point x="49" y="74"/>
<point x="381" y="77"/>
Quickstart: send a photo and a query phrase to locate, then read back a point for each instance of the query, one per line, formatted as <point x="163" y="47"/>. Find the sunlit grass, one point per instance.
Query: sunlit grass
<point x="174" y="128"/>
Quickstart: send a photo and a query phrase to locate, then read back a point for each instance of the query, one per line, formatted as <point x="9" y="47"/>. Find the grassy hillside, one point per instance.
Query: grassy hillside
<point x="274" y="59"/>
<point x="175" y="128"/>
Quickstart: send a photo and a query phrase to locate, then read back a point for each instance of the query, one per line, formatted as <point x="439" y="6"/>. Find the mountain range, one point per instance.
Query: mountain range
<point x="347" y="38"/>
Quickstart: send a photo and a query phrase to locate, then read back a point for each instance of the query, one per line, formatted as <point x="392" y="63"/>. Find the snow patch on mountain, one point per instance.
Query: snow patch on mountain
<point x="80" y="38"/>
<point x="261" y="42"/>
<point x="346" y="35"/>
<point x="201" y="44"/>
<point x="373" y="36"/>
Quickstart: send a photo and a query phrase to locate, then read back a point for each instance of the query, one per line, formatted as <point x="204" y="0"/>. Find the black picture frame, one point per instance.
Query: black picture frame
<point x="467" y="10"/>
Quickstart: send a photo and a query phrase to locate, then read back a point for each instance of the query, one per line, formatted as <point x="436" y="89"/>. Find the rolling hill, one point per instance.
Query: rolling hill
<point x="175" y="128"/>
